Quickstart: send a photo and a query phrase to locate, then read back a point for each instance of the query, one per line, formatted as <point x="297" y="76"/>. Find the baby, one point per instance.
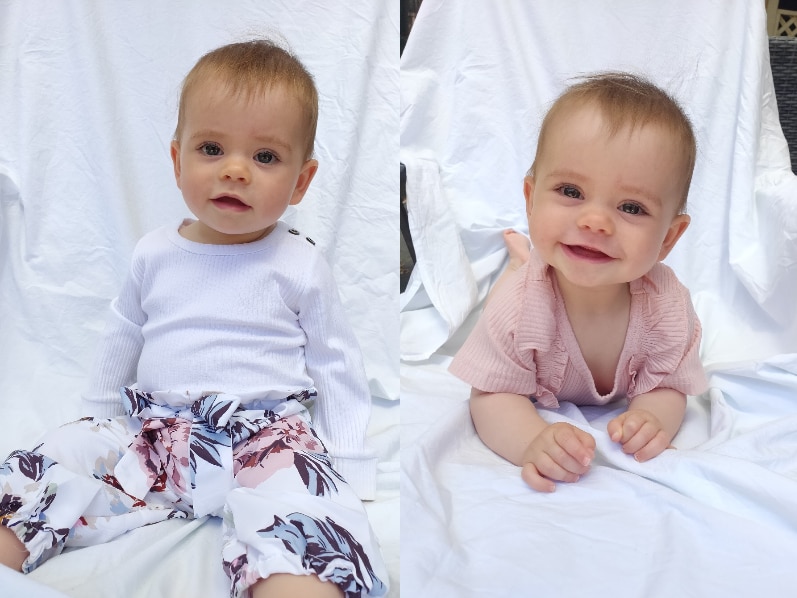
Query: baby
<point x="224" y="330"/>
<point x="590" y="315"/>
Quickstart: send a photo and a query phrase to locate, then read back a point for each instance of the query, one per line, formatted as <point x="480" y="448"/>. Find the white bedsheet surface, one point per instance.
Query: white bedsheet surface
<point x="89" y="91"/>
<point x="717" y="516"/>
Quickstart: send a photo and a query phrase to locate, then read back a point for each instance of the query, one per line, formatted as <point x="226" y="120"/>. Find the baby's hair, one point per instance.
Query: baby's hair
<point x="627" y="101"/>
<point x="251" y="68"/>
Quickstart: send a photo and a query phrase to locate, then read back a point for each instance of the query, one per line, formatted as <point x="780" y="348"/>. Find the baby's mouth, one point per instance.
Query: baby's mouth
<point x="588" y="253"/>
<point x="229" y="202"/>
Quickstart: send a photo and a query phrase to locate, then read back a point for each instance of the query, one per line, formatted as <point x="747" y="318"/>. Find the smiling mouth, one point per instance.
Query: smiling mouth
<point x="227" y="202"/>
<point x="587" y="253"/>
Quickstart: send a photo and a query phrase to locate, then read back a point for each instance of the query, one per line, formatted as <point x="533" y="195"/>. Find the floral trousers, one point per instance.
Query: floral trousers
<point x="284" y="509"/>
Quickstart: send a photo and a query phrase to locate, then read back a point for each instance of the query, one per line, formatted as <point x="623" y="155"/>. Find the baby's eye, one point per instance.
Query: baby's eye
<point x="210" y="149"/>
<point x="265" y="157"/>
<point x="632" y="208"/>
<point x="570" y="191"/>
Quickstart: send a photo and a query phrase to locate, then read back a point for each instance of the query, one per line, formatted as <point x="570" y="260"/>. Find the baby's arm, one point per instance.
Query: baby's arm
<point x="510" y="425"/>
<point x="335" y="364"/>
<point x="651" y="422"/>
<point x="518" y="247"/>
<point x="116" y="360"/>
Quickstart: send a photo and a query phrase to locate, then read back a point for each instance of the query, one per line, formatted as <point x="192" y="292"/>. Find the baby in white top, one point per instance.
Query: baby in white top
<point x="226" y="325"/>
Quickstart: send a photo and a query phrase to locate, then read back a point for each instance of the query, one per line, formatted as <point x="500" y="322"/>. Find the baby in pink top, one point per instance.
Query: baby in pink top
<point x="590" y="315"/>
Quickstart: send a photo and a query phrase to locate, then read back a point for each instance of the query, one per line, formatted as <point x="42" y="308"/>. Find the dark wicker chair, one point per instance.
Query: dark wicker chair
<point x="407" y="256"/>
<point x="783" y="59"/>
<point x="408" y="10"/>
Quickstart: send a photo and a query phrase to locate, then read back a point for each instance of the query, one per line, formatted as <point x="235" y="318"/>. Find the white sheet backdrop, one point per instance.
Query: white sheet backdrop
<point x="718" y="517"/>
<point x="89" y="93"/>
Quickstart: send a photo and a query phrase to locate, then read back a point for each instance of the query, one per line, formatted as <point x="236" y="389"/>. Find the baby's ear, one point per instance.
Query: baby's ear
<point x="303" y="182"/>
<point x="175" y="153"/>
<point x="677" y="228"/>
<point x="528" y="192"/>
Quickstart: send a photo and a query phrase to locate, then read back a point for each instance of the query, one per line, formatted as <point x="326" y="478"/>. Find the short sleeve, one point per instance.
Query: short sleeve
<point x="669" y="339"/>
<point x="489" y="359"/>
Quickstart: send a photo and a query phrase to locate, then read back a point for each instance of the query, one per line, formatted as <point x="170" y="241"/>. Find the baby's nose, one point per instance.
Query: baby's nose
<point x="235" y="169"/>
<point x="596" y="218"/>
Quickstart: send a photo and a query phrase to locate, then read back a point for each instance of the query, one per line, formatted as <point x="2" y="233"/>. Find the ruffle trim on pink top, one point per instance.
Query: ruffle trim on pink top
<point x="540" y="314"/>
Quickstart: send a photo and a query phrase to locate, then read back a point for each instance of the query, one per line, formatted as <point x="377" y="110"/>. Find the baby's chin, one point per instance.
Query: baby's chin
<point x="587" y="279"/>
<point x="214" y="234"/>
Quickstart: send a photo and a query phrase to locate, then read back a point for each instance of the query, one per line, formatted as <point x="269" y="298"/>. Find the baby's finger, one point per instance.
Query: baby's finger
<point x="632" y="423"/>
<point x="615" y="428"/>
<point x="557" y="464"/>
<point x="653" y="448"/>
<point x="578" y="445"/>
<point x="537" y="481"/>
<point x="644" y="434"/>
<point x="553" y="470"/>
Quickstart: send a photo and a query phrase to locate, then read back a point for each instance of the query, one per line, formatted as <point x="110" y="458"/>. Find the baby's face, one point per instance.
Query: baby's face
<point x="240" y="162"/>
<point x="603" y="209"/>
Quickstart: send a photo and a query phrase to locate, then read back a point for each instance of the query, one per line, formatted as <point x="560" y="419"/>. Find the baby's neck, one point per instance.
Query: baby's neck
<point x="599" y="320"/>
<point x="593" y="302"/>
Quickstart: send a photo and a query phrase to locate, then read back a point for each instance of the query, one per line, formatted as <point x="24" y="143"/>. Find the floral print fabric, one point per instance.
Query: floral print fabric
<point x="191" y="447"/>
<point x="284" y="508"/>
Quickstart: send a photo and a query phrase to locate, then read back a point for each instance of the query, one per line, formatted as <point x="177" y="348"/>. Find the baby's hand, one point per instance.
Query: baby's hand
<point x="640" y="432"/>
<point x="560" y="452"/>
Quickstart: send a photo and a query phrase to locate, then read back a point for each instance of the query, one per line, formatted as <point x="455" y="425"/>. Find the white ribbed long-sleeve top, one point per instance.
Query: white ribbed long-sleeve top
<point x="257" y="320"/>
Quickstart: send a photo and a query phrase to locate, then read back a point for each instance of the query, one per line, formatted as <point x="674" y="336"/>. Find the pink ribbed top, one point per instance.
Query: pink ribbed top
<point x="524" y="344"/>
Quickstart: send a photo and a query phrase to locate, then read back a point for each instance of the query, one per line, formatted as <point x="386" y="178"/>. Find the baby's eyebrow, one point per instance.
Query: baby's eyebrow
<point x="567" y="175"/>
<point x="641" y="191"/>
<point x="205" y="134"/>
<point x="272" y="141"/>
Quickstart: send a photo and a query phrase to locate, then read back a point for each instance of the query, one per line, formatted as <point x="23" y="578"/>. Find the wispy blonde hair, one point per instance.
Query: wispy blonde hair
<point x="626" y="101"/>
<point x="251" y="68"/>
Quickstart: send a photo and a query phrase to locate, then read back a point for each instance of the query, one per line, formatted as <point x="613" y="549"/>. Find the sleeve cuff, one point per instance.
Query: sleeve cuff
<point x="360" y="475"/>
